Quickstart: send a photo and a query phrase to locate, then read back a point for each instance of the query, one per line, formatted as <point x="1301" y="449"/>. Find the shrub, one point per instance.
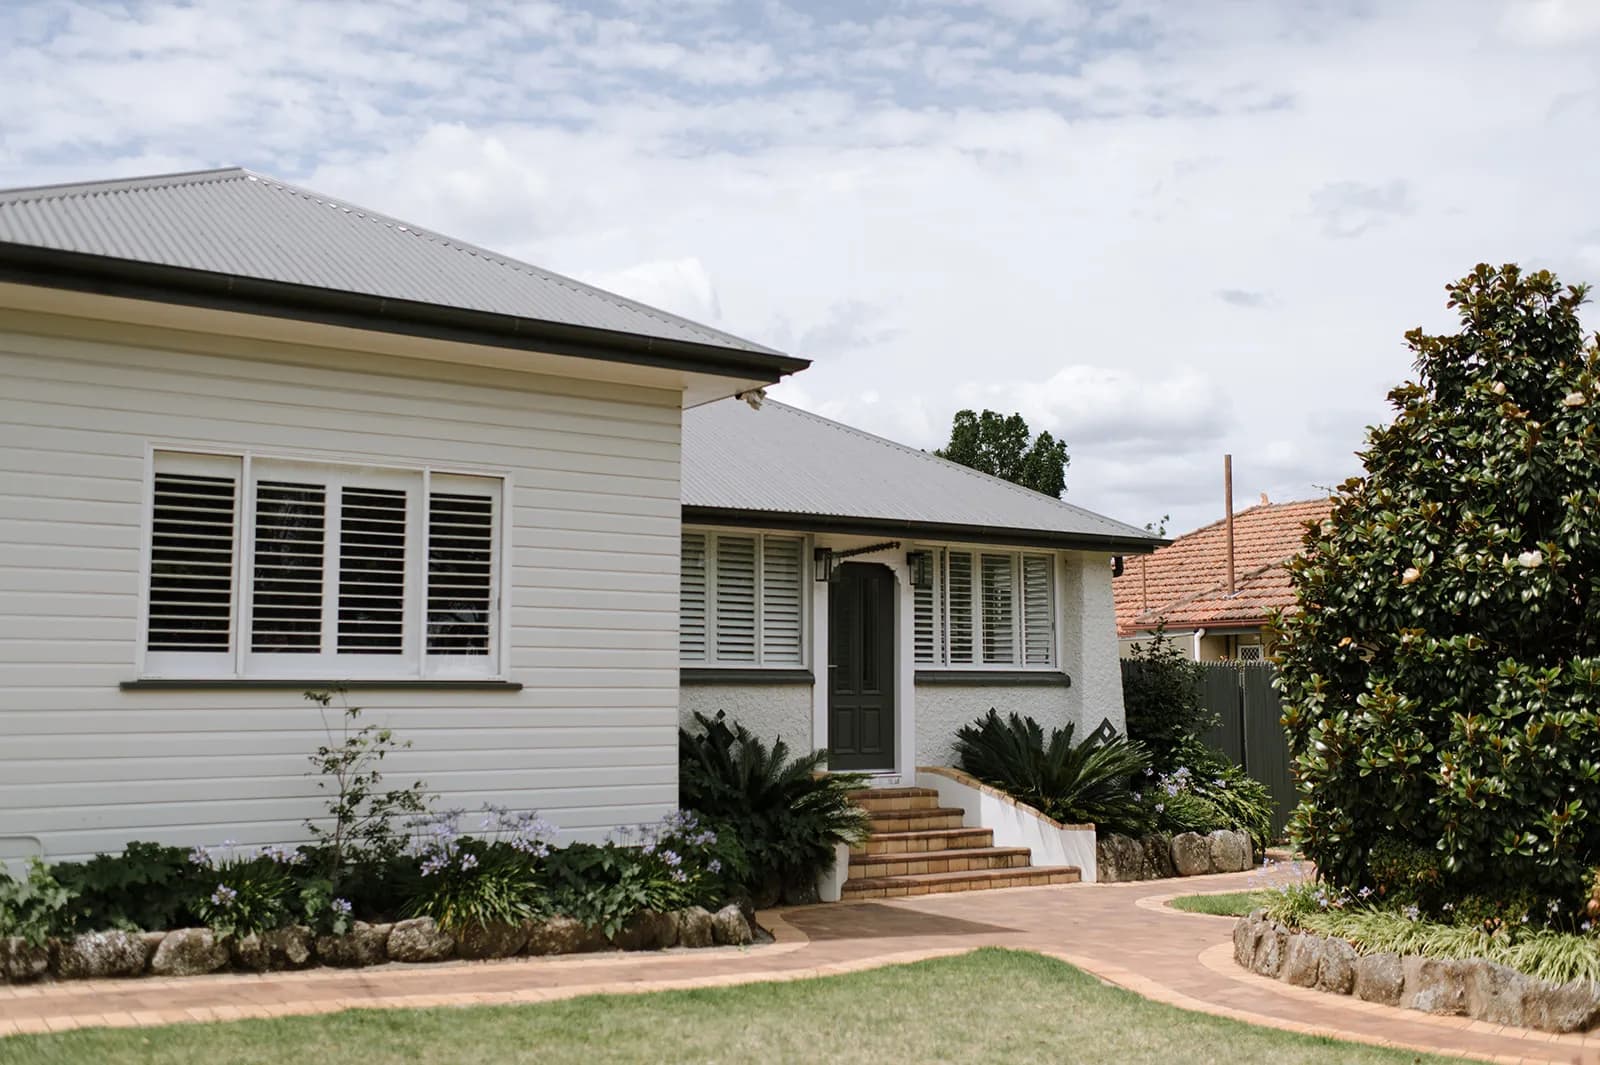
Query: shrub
<point x="34" y="907"/>
<point x="476" y="881"/>
<point x="249" y="891"/>
<point x="1161" y="699"/>
<point x="1207" y="792"/>
<point x="786" y="815"/>
<point x="1083" y="782"/>
<point x="149" y="886"/>
<point x="1441" y="677"/>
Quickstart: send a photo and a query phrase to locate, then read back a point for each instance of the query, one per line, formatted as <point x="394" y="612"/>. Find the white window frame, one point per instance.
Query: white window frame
<point x="242" y="663"/>
<point x="941" y="610"/>
<point x="711" y="661"/>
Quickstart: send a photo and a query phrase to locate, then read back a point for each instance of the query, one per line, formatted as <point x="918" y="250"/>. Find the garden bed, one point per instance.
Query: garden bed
<point x="196" y="951"/>
<point x="1470" y="987"/>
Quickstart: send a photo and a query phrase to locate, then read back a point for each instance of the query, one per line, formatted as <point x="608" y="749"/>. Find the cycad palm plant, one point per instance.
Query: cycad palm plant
<point x="788" y="815"/>
<point x="1071" y="782"/>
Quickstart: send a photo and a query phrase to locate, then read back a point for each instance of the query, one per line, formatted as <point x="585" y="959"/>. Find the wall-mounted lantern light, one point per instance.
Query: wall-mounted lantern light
<point x="921" y="566"/>
<point x="824" y="565"/>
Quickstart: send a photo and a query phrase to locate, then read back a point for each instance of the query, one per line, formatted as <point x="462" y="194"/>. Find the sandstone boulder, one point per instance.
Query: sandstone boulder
<point x="1495" y="992"/>
<point x="19" y="962"/>
<point x="96" y="955"/>
<point x="419" y="940"/>
<point x="648" y="930"/>
<point x="1301" y="958"/>
<point x="564" y="935"/>
<point x="365" y="944"/>
<point x="1379" y="978"/>
<point x="1229" y="851"/>
<point x="1271" y="943"/>
<point x="1434" y="985"/>
<point x="1336" y="972"/>
<point x="1157" y="864"/>
<point x="189" y="952"/>
<point x="730" y="927"/>
<point x="1118" y="859"/>
<point x="1191" y="854"/>
<point x="497" y="940"/>
<point x="696" y="927"/>
<point x="282" y="948"/>
<point x="1569" y="1007"/>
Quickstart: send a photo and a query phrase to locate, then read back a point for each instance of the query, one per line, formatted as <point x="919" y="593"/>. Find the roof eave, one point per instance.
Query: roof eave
<point x="130" y="279"/>
<point x="923" y="530"/>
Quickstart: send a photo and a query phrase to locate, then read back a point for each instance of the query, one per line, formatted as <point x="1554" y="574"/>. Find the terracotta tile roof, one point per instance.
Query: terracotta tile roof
<point x="1186" y="581"/>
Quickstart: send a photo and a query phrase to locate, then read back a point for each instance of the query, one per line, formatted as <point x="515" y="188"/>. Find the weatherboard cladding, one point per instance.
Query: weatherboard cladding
<point x="239" y="223"/>
<point x="785" y="461"/>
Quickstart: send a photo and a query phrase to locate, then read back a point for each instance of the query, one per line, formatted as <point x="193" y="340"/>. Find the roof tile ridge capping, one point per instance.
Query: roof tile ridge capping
<point x="1211" y="590"/>
<point x="1247" y="511"/>
<point x="67" y="189"/>
<point x="968" y="470"/>
<point x="498" y="259"/>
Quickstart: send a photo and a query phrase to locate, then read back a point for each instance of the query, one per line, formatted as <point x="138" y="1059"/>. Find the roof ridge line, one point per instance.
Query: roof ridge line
<point x="1204" y="592"/>
<point x="60" y="189"/>
<point x="499" y="259"/>
<point x="1028" y="492"/>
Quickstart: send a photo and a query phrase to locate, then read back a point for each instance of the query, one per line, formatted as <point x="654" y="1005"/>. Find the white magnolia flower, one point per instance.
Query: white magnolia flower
<point x="1410" y="575"/>
<point x="1531" y="559"/>
<point x="1575" y="399"/>
<point x="1499" y="388"/>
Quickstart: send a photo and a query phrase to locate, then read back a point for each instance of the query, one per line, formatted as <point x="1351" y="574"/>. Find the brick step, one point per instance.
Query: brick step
<point x="916" y="820"/>
<point x="888" y="887"/>
<point x="946" y="861"/>
<point x="879" y="800"/>
<point x="925" y="841"/>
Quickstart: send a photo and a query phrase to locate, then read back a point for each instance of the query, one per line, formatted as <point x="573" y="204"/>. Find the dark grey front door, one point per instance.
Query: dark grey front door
<point x="861" y="668"/>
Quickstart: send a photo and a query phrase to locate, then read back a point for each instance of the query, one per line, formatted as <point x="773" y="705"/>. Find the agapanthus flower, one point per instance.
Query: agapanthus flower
<point x="341" y="907"/>
<point x="224" y="896"/>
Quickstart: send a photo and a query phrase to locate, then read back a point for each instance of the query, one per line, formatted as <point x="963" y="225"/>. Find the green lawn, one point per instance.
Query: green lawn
<point x="991" y="1007"/>
<point x="1233" y="904"/>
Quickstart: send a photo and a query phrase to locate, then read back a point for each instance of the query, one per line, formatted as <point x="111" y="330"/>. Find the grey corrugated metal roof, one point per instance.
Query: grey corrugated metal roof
<point x="243" y="224"/>
<point x="781" y="460"/>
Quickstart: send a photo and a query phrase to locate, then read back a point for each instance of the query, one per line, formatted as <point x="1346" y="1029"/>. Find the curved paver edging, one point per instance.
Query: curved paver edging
<point x="1475" y="987"/>
<point x="187" y="952"/>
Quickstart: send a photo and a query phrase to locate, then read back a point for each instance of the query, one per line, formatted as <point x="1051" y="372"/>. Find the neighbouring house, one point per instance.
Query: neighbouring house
<point x="259" y="440"/>
<point x="1185" y="585"/>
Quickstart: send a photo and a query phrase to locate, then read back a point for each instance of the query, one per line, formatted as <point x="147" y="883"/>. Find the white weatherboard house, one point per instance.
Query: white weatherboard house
<point x="257" y="440"/>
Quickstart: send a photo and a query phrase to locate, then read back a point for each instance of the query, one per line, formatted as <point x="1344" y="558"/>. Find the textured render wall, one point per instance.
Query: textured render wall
<point x="767" y="710"/>
<point x="944" y="708"/>
<point x="1097" y="678"/>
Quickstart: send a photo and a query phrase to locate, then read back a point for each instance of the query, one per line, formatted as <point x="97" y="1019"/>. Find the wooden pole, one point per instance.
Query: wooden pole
<point x="1227" y="490"/>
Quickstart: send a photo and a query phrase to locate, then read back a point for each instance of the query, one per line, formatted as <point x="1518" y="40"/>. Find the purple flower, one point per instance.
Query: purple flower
<point x="1412" y="913"/>
<point x="435" y="863"/>
<point x="224" y="896"/>
<point x="671" y="858"/>
<point x="713" y="867"/>
<point x="341" y="907"/>
<point x="199" y="855"/>
<point x="469" y="861"/>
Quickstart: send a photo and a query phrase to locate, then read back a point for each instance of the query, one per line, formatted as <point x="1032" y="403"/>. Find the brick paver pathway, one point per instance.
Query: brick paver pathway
<point x="1120" y="932"/>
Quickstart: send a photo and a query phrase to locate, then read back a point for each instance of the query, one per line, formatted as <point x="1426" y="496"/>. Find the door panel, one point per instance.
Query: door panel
<point x="861" y="669"/>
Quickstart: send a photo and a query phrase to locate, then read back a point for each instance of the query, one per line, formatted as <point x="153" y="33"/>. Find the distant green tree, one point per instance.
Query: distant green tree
<point x="1001" y="445"/>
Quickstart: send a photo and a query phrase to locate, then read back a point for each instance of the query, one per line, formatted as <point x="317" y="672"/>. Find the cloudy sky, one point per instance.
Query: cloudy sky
<point x="1162" y="230"/>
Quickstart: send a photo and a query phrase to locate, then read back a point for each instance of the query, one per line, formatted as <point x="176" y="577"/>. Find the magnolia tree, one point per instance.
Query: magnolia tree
<point x="1441" y="678"/>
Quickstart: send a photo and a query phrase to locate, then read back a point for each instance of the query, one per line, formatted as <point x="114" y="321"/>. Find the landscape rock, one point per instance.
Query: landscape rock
<point x="1230" y="851"/>
<point x="1191" y="854"/>
<point x="1495" y="992"/>
<point x="648" y="930"/>
<point x="1157" y="864"/>
<point x="1118" y="858"/>
<point x="1270" y="946"/>
<point x="1301" y="958"/>
<point x="1434" y="985"/>
<point x="1336" y="972"/>
<point x="564" y="935"/>
<point x="365" y="944"/>
<point x="95" y="955"/>
<point x="281" y="948"/>
<point x="189" y="952"/>
<point x="419" y="940"/>
<point x="1380" y="978"/>
<point x="1244" y="940"/>
<point x="496" y="940"/>
<point x="19" y="962"/>
<point x="151" y="941"/>
<point x="695" y="927"/>
<point x="1569" y="1007"/>
<point x="730" y="927"/>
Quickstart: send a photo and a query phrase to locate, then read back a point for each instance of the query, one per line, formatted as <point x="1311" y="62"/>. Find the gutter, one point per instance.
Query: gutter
<point x="102" y="275"/>
<point x="927" y="530"/>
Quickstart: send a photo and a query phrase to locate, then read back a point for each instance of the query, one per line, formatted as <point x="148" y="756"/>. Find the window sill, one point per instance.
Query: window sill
<point x="996" y="678"/>
<point x="743" y="675"/>
<point x="320" y="684"/>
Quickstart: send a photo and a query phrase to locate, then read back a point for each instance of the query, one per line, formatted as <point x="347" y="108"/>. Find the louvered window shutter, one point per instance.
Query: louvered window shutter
<point x="286" y="589"/>
<point x="781" y="607"/>
<point x="372" y="571"/>
<point x="192" y="536"/>
<point x="692" y="599"/>
<point x="999" y="609"/>
<point x="736" y="598"/>
<point x="460" y="572"/>
<point x="924" y="638"/>
<point x="959" y="594"/>
<point x="1038" y="610"/>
